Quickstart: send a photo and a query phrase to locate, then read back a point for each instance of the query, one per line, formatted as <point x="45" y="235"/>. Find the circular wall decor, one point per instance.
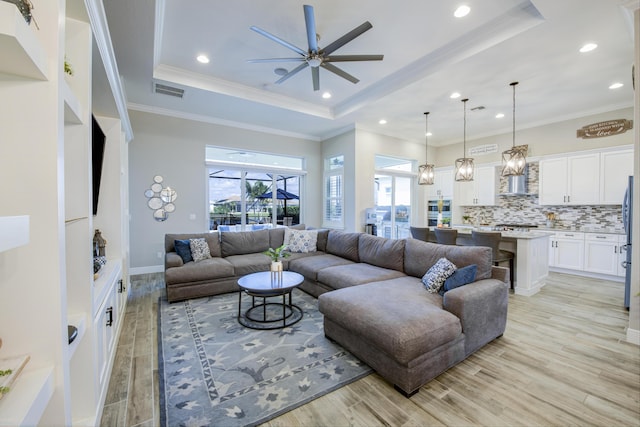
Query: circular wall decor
<point x="160" y="199"/>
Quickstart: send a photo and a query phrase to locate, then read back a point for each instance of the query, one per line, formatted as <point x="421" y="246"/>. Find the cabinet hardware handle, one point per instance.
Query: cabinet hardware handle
<point x="110" y="316"/>
<point x="625" y="264"/>
<point x="615" y="250"/>
<point x="122" y="287"/>
<point x="601" y="237"/>
<point x="568" y="199"/>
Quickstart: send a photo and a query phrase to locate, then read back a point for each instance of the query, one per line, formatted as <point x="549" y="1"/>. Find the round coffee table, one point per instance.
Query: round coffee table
<point x="269" y="315"/>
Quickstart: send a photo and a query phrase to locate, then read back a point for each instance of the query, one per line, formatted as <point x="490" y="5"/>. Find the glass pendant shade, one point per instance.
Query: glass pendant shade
<point x="464" y="165"/>
<point x="426" y="172"/>
<point x="514" y="160"/>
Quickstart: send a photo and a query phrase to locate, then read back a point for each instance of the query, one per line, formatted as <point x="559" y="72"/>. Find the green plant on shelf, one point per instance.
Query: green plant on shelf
<point x="67" y="67"/>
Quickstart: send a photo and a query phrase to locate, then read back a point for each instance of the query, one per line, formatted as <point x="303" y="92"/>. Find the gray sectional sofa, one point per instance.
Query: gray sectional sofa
<point x="371" y="295"/>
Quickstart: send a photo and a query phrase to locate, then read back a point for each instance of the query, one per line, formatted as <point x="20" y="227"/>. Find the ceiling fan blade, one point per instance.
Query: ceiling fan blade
<point x="339" y="72"/>
<point x="310" y="22"/>
<point x="292" y="72"/>
<point x="315" y="76"/>
<point x="346" y="58"/>
<point x="278" y="40"/>
<point x="346" y="38"/>
<point x="257" y="61"/>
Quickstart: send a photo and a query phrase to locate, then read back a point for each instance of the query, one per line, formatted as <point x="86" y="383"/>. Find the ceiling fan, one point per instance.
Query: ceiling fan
<point x="316" y="57"/>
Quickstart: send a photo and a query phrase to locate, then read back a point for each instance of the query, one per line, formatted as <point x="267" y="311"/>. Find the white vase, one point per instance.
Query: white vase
<point x="276" y="266"/>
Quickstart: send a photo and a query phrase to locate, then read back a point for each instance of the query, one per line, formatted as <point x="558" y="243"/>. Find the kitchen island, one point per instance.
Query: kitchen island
<point x="531" y="251"/>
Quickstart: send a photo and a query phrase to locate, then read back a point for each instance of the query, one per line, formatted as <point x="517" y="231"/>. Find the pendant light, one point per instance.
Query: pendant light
<point x="464" y="165"/>
<point x="425" y="172"/>
<point x="514" y="161"/>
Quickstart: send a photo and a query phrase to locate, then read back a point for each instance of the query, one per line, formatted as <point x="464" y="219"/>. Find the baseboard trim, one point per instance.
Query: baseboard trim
<point x="633" y="336"/>
<point x="146" y="270"/>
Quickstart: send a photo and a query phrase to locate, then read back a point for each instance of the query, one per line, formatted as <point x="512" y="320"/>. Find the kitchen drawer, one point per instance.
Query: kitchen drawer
<point x="601" y="237"/>
<point x="569" y="235"/>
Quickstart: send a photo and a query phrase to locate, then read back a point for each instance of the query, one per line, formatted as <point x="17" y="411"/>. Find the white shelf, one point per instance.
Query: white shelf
<point x="28" y="398"/>
<point x="106" y="276"/>
<point x="22" y="53"/>
<point x="72" y="108"/>
<point x="79" y="321"/>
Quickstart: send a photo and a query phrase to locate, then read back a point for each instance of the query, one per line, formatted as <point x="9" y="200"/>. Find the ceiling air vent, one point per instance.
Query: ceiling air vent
<point x="168" y="90"/>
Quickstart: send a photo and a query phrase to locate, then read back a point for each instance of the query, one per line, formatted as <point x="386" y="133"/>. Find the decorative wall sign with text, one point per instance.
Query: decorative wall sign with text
<point x="606" y="128"/>
<point x="479" y="150"/>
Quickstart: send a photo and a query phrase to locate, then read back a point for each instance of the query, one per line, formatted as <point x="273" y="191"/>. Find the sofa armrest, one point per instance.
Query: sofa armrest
<point x="500" y="273"/>
<point x="482" y="309"/>
<point x="172" y="259"/>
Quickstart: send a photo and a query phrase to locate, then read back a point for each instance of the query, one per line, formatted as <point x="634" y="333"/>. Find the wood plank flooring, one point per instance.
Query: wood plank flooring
<point x="563" y="361"/>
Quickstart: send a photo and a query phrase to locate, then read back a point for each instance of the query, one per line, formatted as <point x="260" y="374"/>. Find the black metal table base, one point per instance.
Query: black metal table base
<point x="259" y="316"/>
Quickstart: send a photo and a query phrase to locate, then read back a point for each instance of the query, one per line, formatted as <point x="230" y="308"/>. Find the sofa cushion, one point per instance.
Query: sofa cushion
<point x="183" y="249"/>
<point x="342" y="276"/>
<point x="400" y="320"/>
<point x="435" y="277"/>
<point x="212" y="238"/>
<point x="199" y="249"/>
<point x="276" y="237"/>
<point x="460" y="277"/>
<point x="343" y="244"/>
<point x="249" y="263"/>
<point x="208" y="269"/>
<point x="301" y="241"/>
<point x="309" y="266"/>
<point x="244" y="242"/>
<point x="419" y="256"/>
<point x="386" y="253"/>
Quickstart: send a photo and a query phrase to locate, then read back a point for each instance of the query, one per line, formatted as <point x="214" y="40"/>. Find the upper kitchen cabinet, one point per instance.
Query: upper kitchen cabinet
<point x="479" y="192"/>
<point x="585" y="179"/>
<point x="442" y="185"/>
<point x="615" y="167"/>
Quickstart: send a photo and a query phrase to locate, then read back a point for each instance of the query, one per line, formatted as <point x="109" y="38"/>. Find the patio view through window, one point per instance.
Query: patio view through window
<point x="393" y="187"/>
<point x="241" y="190"/>
<point x="333" y="192"/>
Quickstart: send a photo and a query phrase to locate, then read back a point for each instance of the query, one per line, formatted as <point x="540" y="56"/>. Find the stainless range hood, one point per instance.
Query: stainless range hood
<point x="517" y="185"/>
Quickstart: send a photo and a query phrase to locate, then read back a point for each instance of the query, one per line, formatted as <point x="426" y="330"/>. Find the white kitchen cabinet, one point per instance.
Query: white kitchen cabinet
<point x="615" y="168"/>
<point x="601" y="253"/>
<point x="566" y="250"/>
<point x="479" y="192"/>
<point x="571" y="180"/>
<point x="442" y="185"/>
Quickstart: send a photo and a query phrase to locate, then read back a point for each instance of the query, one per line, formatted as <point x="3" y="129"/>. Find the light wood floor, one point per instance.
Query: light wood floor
<point x="563" y="361"/>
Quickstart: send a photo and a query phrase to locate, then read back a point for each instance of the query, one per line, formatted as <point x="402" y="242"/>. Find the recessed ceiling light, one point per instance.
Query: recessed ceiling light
<point x="499" y="115"/>
<point x="462" y="11"/>
<point x="454" y="95"/>
<point x="588" y="47"/>
<point x="382" y="122"/>
<point x="616" y="85"/>
<point x="429" y="134"/>
<point x="326" y="95"/>
<point x="203" y="59"/>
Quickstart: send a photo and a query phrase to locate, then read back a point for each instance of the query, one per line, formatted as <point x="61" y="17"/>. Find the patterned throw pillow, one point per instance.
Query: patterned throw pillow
<point x="302" y="241"/>
<point x="199" y="249"/>
<point x="437" y="274"/>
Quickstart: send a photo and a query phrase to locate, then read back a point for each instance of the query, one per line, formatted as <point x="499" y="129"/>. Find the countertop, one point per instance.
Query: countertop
<point x="466" y="230"/>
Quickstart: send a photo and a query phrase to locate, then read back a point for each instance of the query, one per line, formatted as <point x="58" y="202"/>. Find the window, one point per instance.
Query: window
<point x="393" y="191"/>
<point x="333" y="192"/>
<point x="241" y="184"/>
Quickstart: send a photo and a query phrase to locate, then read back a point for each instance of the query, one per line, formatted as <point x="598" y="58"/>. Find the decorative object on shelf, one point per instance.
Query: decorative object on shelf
<point x="25" y="7"/>
<point x="98" y="263"/>
<point x="161" y="199"/>
<point x="464" y="165"/>
<point x="99" y="244"/>
<point x="514" y="161"/>
<point x="68" y="70"/>
<point x="72" y="332"/>
<point x="10" y="369"/>
<point x="426" y="172"/>
<point x="466" y="219"/>
<point x="551" y="219"/>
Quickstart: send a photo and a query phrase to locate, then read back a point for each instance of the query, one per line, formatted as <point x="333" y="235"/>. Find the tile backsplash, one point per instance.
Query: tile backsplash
<point x="524" y="209"/>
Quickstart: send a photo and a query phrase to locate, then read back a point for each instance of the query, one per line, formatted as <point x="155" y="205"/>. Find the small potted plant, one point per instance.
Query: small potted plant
<point x="276" y="255"/>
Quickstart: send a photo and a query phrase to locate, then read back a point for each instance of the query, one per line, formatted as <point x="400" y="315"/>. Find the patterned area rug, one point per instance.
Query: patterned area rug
<point x="215" y="372"/>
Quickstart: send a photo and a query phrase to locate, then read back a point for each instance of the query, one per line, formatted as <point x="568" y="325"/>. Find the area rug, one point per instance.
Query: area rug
<point x="215" y="372"/>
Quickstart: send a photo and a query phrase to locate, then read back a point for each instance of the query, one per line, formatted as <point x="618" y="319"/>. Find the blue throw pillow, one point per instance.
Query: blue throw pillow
<point x="183" y="249"/>
<point x="460" y="277"/>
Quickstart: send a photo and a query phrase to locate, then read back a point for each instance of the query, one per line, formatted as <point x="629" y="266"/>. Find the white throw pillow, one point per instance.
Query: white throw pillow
<point x="199" y="249"/>
<point x="301" y="241"/>
<point x="439" y="272"/>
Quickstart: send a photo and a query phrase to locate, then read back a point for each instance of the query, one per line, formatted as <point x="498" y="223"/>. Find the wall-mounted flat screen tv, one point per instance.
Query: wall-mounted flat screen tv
<point x="98" y="141"/>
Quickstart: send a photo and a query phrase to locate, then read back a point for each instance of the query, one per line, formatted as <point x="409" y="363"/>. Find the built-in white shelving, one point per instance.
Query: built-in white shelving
<point x="14" y="231"/>
<point x="28" y="398"/>
<point x="72" y="108"/>
<point x="22" y="53"/>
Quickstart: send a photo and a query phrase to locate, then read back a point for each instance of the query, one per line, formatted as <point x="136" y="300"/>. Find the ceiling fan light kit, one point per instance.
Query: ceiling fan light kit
<point x="514" y="160"/>
<point x="464" y="165"/>
<point x="426" y="172"/>
<point x="315" y="57"/>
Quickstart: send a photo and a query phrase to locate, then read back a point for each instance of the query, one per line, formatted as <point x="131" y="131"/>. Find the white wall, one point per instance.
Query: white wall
<point x="344" y="145"/>
<point x="175" y="149"/>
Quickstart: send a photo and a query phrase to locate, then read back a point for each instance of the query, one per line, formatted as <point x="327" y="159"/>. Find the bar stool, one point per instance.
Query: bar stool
<point x="446" y="236"/>
<point x="420" y="233"/>
<point x="492" y="240"/>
